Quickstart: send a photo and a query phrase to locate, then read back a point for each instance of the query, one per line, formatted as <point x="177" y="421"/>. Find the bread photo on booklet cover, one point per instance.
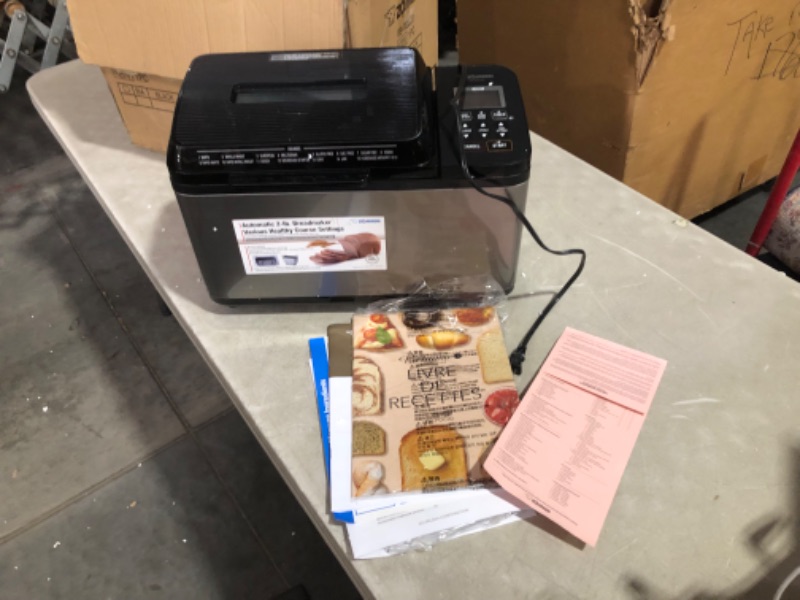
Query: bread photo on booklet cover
<point x="369" y="439"/>
<point x="495" y="366"/>
<point x="433" y="458"/>
<point x="377" y="333"/>
<point x="368" y="387"/>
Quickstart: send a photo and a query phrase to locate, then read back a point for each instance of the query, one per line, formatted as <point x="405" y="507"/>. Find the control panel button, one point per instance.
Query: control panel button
<point x="472" y="147"/>
<point x="481" y="116"/>
<point x="499" y="145"/>
<point x="498" y="115"/>
<point x="466" y="116"/>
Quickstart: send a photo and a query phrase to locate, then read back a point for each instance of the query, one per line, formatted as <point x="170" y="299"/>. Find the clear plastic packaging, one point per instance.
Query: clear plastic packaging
<point x="462" y="292"/>
<point x="432" y="388"/>
<point x="426" y="543"/>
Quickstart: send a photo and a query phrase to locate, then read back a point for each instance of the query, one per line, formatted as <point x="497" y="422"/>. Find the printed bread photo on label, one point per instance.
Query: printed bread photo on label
<point x="350" y="247"/>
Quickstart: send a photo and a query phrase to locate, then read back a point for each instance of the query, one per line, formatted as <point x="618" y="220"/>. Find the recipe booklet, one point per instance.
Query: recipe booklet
<point x="431" y="390"/>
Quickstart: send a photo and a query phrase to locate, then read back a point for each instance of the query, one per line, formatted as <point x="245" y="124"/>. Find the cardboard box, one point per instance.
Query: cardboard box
<point x="690" y="103"/>
<point x="146" y="104"/>
<point x="145" y="46"/>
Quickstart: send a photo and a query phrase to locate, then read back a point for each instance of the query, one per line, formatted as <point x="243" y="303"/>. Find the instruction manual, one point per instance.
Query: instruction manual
<point x="565" y="449"/>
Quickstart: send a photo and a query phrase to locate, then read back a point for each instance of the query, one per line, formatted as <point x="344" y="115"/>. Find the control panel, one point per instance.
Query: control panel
<point x="485" y="128"/>
<point x="489" y="125"/>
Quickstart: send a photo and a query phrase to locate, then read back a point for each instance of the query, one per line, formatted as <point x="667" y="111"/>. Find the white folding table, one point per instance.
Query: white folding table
<point x="717" y="461"/>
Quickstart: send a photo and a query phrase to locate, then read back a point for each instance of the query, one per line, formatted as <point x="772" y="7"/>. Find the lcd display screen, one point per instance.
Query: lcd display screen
<point x="483" y="97"/>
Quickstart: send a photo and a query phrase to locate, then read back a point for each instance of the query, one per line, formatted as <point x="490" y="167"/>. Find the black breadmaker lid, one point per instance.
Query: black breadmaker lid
<point x="273" y="113"/>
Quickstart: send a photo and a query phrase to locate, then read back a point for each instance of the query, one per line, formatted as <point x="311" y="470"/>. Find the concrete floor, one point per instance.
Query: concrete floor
<point x="125" y="472"/>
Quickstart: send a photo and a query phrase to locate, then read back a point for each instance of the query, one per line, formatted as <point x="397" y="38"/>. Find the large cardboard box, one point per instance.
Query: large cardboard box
<point x="145" y="46"/>
<point x="690" y="103"/>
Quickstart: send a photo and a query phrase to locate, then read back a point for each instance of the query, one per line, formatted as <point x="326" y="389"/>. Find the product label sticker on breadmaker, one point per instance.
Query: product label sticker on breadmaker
<point x="313" y="244"/>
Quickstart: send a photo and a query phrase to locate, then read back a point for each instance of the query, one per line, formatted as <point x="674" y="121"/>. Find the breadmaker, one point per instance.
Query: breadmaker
<point x="347" y="173"/>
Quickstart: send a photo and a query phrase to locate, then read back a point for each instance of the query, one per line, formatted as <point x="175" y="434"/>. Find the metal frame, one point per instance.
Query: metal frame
<point x="23" y="32"/>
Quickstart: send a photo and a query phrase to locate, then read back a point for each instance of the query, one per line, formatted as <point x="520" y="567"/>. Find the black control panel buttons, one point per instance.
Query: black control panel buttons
<point x="489" y="128"/>
<point x="499" y="145"/>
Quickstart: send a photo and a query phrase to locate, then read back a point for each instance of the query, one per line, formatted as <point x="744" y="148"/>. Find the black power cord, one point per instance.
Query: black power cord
<point x="517" y="357"/>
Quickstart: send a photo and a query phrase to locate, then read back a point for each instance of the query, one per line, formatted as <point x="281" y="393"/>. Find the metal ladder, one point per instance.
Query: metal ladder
<point x="25" y="30"/>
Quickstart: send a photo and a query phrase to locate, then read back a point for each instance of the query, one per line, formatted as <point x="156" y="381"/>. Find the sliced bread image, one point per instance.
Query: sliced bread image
<point x="367" y="395"/>
<point x="433" y="458"/>
<point x="369" y="439"/>
<point x="495" y="366"/>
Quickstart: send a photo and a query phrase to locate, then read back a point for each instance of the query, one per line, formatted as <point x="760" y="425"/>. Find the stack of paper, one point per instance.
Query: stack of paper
<point x="561" y="454"/>
<point x="398" y="520"/>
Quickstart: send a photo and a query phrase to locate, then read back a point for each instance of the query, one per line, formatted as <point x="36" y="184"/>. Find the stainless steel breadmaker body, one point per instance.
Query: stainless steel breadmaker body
<point x="347" y="173"/>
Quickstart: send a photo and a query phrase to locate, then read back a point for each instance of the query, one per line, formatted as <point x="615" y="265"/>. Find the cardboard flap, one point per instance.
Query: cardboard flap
<point x="651" y="27"/>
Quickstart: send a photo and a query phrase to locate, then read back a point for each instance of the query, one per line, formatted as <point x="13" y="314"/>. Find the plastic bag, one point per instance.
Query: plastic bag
<point x="461" y="292"/>
<point x="432" y="388"/>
